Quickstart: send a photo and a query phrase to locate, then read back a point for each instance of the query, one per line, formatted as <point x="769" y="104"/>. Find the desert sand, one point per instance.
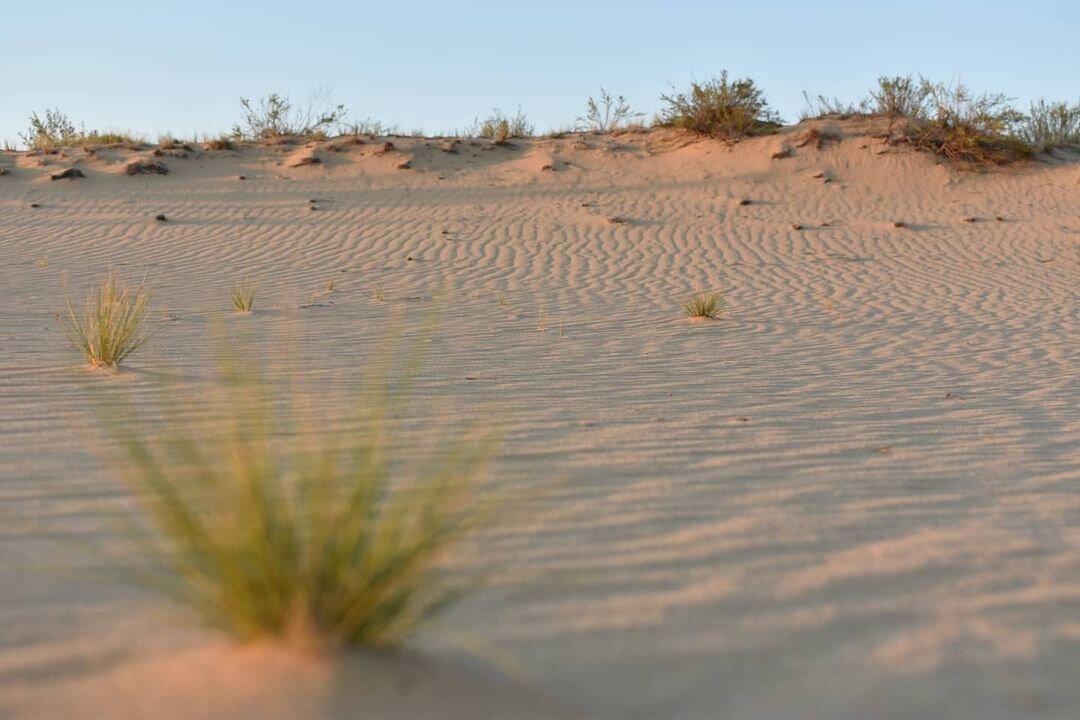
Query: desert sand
<point x="854" y="495"/>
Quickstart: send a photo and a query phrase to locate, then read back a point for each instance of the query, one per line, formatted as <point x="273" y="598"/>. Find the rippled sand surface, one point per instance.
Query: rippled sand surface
<point x="855" y="495"/>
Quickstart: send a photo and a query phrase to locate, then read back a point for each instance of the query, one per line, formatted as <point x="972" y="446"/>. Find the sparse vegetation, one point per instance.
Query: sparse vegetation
<point x="110" y="326"/>
<point x="608" y="114"/>
<point x="243" y="296"/>
<point x="1051" y="124"/>
<point x="967" y="127"/>
<point x="94" y="138"/>
<point x="272" y="528"/>
<point x="703" y="305"/>
<point x="951" y="120"/>
<point x="900" y="96"/>
<point x="821" y="106"/>
<point x="221" y="142"/>
<point x="49" y="132"/>
<point x="56" y="130"/>
<point x="275" y="116"/>
<point x="499" y="127"/>
<point x="723" y="108"/>
<point x="368" y="127"/>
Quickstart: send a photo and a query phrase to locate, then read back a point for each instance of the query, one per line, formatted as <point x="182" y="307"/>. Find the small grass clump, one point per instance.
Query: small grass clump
<point x="274" y="529"/>
<point x="243" y="296"/>
<point x="111" y="324"/>
<point x="721" y="107"/>
<point x="705" y="305"/>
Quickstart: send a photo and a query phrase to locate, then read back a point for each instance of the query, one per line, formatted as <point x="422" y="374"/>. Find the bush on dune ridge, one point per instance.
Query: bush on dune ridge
<point x="1051" y="124"/>
<point x="56" y="130"/>
<point x="721" y="107"/>
<point x="500" y="127"/>
<point x="953" y="121"/>
<point x="276" y="116"/>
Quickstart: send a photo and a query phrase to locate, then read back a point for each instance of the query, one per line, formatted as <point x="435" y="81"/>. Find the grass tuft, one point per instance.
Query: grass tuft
<point x="243" y="296"/>
<point x="272" y="529"/>
<point x="110" y="326"/>
<point x="703" y="305"/>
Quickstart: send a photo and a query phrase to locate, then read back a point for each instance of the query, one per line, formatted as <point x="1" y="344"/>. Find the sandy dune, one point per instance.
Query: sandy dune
<point x="854" y="496"/>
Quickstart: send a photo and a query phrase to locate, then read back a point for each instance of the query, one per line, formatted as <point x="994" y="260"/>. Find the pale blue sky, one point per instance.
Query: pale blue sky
<point x="180" y="67"/>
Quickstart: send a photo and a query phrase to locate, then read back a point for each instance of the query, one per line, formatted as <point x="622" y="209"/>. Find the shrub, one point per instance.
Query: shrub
<point x="1050" y="125"/>
<point x="110" y="327"/>
<point x="500" y="127"/>
<point x="724" y="108"/>
<point x="899" y="96"/>
<point x="275" y="530"/>
<point x="243" y="296"/>
<point x="606" y="115"/>
<point x="966" y="127"/>
<point x="276" y="116"/>
<point x="703" y="305"/>
<point x="56" y="130"/>
<point x="52" y="131"/>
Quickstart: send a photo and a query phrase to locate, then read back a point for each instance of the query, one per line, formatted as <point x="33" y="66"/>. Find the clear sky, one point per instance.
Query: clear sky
<point x="154" y="67"/>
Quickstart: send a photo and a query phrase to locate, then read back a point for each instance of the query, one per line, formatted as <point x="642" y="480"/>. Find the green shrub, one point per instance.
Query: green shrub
<point x="500" y="127"/>
<point x="276" y="116"/>
<point x="899" y="96"/>
<point x="966" y="127"/>
<point x="1050" y="125"/>
<point x="724" y="108"/>
<point x="609" y="114"/>
<point x="56" y="130"/>
<point x="49" y="132"/>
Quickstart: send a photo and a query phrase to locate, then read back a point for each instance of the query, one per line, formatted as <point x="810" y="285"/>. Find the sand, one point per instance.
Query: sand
<point x="855" y="495"/>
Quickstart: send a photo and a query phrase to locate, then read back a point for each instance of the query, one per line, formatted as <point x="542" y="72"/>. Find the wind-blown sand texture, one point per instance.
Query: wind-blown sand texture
<point x="855" y="495"/>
